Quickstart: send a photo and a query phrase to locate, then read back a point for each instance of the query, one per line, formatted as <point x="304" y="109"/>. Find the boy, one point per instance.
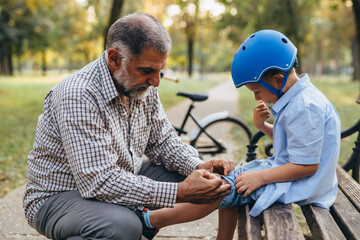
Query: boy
<point x="306" y="139"/>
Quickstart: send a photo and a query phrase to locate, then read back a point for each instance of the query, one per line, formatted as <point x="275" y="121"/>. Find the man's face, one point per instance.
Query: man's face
<point x="261" y="93"/>
<point x="136" y="77"/>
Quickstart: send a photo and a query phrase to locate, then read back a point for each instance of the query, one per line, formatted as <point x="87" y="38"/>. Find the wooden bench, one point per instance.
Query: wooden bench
<point x="280" y="221"/>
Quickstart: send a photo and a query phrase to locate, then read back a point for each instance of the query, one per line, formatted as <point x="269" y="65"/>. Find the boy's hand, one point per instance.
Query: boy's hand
<point x="261" y="113"/>
<point x="248" y="182"/>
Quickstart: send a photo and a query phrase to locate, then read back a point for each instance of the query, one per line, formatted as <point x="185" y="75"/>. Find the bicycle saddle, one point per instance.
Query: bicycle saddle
<point x="196" y="97"/>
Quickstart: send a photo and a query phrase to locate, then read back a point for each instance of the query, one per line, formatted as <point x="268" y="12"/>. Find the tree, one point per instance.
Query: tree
<point x="291" y="17"/>
<point x="190" y="18"/>
<point x="14" y="28"/>
<point x="6" y="36"/>
<point x="356" y="52"/>
<point x="115" y="13"/>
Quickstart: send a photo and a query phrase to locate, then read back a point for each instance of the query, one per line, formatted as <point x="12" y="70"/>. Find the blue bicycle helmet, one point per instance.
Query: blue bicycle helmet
<point x="263" y="51"/>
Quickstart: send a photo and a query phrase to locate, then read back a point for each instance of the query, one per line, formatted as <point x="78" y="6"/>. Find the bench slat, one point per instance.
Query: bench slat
<point x="321" y="223"/>
<point x="248" y="227"/>
<point x="349" y="187"/>
<point x="346" y="216"/>
<point x="281" y="223"/>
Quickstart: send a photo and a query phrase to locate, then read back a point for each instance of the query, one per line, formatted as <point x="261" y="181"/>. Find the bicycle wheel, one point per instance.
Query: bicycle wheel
<point x="223" y="139"/>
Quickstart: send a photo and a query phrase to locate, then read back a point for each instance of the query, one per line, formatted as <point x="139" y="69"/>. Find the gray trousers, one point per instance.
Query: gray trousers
<point x="69" y="216"/>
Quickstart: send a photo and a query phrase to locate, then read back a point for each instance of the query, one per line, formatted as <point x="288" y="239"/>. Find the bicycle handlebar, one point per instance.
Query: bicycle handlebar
<point x="169" y="78"/>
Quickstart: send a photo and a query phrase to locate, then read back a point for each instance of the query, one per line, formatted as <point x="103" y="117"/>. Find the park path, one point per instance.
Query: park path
<point x="222" y="97"/>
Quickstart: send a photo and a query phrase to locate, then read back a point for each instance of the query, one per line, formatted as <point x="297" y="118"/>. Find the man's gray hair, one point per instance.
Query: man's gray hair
<point x="134" y="32"/>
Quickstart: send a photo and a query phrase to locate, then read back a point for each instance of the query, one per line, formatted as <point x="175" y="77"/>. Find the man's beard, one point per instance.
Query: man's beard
<point x="124" y="80"/>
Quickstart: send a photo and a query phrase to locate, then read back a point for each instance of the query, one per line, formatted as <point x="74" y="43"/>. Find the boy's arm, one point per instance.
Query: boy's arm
<point x="248" y="182"/>
<point x="261" y="113"/>
<point x="267" y="129"/>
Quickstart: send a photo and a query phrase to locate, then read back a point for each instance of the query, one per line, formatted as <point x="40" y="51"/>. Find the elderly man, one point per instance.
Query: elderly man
<point x="86" y="169"/>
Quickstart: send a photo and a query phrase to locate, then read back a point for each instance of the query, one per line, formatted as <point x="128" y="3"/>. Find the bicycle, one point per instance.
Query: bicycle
<point x="215" y="134"/>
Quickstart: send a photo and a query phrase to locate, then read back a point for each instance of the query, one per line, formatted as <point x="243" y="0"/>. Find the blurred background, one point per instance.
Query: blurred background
<point x="42" y="41"/>
<point x="38" y="36"/>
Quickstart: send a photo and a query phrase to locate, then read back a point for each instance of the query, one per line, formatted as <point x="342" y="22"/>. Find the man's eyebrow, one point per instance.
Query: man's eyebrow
<point x="147" y="68"/>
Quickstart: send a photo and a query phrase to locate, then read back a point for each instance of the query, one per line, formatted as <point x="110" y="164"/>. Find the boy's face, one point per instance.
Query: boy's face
<point x="261" y="93"/>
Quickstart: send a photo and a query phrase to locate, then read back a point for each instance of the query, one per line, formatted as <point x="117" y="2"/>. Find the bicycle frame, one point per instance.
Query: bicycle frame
<point x="182" y="131"/>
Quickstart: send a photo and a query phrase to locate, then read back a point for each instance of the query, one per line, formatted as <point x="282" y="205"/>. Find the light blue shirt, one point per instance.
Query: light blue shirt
<point x="306" y="131"/>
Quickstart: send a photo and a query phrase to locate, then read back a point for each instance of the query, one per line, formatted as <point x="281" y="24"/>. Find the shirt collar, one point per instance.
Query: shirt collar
<point x="302" y="83"/>
<point x="109" y="89"/>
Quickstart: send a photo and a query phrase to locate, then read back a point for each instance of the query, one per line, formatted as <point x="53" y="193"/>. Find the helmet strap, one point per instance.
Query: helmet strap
<point x="278" y="93"/>
<point x="283" y="83"/>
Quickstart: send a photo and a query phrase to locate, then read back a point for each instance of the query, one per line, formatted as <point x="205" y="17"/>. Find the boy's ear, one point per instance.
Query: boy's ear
<point x="277" y="79"/>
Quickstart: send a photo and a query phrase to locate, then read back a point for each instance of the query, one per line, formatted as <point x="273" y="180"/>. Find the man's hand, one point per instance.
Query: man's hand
<point x="202" y="186"/>
<point x="247" y="182"/>
<point x="222" y="167"/>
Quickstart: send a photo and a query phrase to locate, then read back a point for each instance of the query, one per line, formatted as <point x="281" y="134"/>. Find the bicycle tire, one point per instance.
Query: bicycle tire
<point x="231" y="133"/>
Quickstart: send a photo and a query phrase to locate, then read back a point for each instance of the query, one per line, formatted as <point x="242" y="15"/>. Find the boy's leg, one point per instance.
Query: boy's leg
<point x="68" y="215"/>
<point x="227" y="223"/>
<point x="181" y="213"/>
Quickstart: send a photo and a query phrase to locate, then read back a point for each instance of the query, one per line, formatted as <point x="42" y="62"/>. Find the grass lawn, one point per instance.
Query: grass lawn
<point x="21" y="102"/>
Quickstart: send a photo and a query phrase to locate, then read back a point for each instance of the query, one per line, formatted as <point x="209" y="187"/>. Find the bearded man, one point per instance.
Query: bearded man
<point x="87" y="172"/>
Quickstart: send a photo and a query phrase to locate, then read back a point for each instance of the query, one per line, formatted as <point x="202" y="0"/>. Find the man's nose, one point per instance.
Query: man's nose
<point x="154" y="80"/>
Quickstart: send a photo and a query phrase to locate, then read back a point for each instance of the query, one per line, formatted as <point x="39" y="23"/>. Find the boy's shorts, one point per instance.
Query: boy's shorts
<point x="233" y="198"/>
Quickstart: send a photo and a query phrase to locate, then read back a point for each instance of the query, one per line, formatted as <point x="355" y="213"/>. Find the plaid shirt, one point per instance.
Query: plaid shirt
<point x="86" y="140"/>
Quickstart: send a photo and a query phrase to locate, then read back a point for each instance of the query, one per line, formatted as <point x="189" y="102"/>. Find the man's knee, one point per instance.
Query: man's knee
<point x="122" y="227"/>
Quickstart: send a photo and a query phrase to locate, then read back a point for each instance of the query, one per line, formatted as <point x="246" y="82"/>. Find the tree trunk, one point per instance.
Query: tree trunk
<point x="43" y="62"/>
<point x="190" y="43"/>
<point x="292" y="31"/>
<point x="337" y="61"/>
<point x="356" y="7"/>
<point x="6" y="66"/>
<point x="114" y="15"/>
<point x="355" y="55"/>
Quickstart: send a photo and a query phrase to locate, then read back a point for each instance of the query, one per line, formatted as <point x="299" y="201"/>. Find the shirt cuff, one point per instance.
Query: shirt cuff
<point x="165" y="194"/>
<point x="193" y="163"/>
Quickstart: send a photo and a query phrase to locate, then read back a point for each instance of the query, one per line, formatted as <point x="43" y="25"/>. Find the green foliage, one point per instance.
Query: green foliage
<point x="290" y="17"/>
<point x="67" y="34"/>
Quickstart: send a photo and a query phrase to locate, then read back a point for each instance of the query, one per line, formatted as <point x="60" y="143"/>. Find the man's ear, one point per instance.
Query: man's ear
<point x="114" y="58"/>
